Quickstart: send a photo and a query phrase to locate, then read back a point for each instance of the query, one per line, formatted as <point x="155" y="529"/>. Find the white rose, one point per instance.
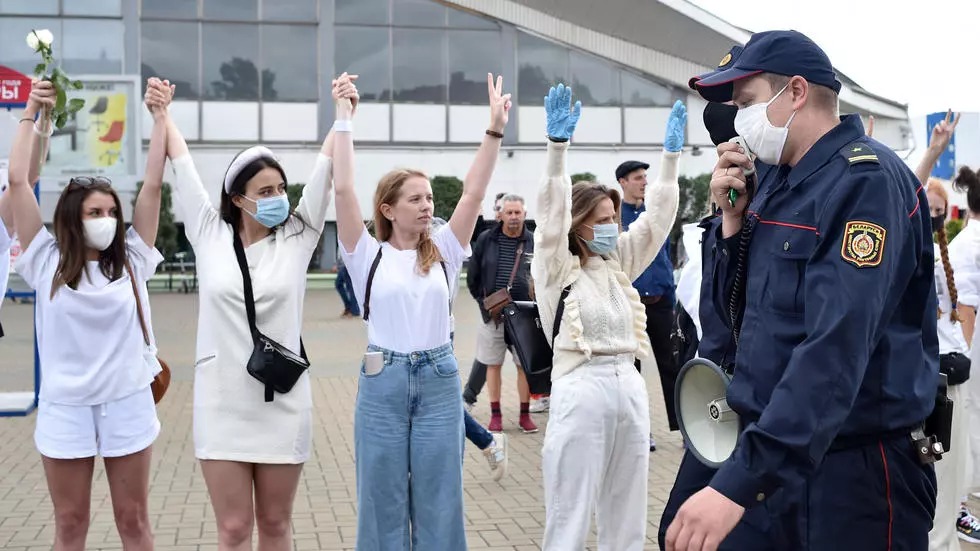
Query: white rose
<point x="38" y="37"/>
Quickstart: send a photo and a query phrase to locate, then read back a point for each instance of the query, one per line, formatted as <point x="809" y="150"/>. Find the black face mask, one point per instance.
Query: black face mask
<point x="719" y="120"/>
<point x="938" y="222"/>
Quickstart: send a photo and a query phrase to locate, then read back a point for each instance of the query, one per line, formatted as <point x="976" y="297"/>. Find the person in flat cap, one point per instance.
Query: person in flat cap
<point x="825" y="281"/>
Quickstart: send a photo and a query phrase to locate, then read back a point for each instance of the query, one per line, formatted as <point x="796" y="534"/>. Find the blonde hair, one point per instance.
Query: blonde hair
<point x="388" y="193"/>
<point x="935" y="186"/>
<point x="586" y="196"/>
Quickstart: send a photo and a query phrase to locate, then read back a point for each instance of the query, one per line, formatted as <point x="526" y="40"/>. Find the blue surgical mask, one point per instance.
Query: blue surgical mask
<point x="270" y="211"/>
<point x="605" y="237"/>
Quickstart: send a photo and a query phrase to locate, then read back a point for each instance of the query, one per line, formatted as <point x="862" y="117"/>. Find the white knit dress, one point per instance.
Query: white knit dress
<point x="232" y="421"/>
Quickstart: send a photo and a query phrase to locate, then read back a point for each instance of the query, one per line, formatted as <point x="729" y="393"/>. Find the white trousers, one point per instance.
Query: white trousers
<point x="951" y="473"/>
<point x="595" y="457"/>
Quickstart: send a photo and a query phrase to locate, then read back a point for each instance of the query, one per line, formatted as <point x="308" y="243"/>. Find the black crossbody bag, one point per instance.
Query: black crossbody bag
<point x="271" y="363"/>
<point x="522" y="327"/>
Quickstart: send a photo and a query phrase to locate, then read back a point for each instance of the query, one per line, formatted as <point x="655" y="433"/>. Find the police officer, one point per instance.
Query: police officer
<point x="837" y="354"/>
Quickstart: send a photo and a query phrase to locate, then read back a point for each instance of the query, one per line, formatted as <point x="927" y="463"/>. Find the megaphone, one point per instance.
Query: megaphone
<point x="710" y="428"/>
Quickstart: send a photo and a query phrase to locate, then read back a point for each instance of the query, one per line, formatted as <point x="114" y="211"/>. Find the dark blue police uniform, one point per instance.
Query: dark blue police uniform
<point x="837" y="356"/>
<point x="838" y="351"/>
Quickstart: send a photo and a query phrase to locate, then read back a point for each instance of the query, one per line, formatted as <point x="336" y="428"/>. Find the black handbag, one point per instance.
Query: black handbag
<point x="956" y="367"/>
<point x="522" y="327"/>
<point x="274" y="365"/>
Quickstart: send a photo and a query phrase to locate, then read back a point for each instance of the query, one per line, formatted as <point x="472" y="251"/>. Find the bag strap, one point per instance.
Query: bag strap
<point x="517" y="262"/>
<point x="247" y="280"/>
<point x="139" y="305"/>
<point x="559" y="313"/>
<point x="370" y="281"/>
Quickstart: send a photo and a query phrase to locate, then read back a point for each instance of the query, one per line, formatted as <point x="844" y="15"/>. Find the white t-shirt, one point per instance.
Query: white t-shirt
<point x="951" y="337"/>
<point x="5" y="241"/>
<point x="89" y="339"/>
<point x="409" y="311"/>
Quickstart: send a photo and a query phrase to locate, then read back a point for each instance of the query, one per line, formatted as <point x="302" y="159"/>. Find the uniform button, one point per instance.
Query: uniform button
<point x="760" y="496"/>
<point x="786" y="245"/>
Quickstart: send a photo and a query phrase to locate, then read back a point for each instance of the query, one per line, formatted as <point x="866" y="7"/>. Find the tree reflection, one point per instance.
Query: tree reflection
<point x="240" y="81"/>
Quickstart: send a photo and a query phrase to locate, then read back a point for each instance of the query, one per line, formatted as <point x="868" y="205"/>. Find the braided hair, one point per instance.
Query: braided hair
<point x="935" y="186"/>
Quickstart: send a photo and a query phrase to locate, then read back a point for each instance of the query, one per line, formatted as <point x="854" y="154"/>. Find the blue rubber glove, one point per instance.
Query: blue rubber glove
<point x="676" y="124"/>
<point x="562" y="116"/>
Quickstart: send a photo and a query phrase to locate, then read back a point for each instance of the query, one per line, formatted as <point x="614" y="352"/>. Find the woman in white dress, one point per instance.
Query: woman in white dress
<point x="95" y="394"/>
<point x="248" y="445"/>
<point x="408" y="420"/>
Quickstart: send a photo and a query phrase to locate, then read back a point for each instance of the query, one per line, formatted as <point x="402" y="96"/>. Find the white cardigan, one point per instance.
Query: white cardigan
<point x="554" y="267"/>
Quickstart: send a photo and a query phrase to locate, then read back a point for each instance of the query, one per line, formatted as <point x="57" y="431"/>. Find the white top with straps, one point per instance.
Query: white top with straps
<point x="408" y="310"/>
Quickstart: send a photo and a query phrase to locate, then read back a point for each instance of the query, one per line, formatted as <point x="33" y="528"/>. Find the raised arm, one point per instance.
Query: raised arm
<point x="146" y="213"/>
<point x="554" y="217"/>
<point x="463" y="220"/>
<point x="942" y="133"/>
<point x="350" y="224"/>
<point x="20" y="196"/>
<point x="191" y="201"/>
<point x="646" y="236"/>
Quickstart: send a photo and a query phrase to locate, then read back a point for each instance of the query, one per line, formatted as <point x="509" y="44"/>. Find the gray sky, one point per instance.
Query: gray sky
<point x="922" y="53"/>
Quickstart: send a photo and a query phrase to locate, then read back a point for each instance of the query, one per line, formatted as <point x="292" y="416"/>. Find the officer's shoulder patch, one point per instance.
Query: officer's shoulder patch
<point x="864" y="243"/>
<point x="858" y="152"/>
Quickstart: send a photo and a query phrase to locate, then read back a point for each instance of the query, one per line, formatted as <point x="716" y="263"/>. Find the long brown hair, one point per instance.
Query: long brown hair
<point x="388" y="193"/>
<point x="586" y="196"/>
<point x="935" y="186"/>
<point x="69" y="233"/>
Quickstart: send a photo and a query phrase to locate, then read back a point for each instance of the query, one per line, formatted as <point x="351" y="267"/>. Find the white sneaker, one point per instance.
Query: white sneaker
<point x="496" y="454"/>
<point x="540" y="405"/>
<point x="967" y="526"/>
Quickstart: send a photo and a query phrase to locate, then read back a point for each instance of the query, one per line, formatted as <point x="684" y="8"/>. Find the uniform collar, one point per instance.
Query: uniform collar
<point x="850" y="129"/>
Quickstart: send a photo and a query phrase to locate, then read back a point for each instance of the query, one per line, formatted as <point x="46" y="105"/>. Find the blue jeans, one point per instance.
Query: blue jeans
<point x="408" y="445"/>
<point x="346" y="290"/>
<point x="475" y="432"/>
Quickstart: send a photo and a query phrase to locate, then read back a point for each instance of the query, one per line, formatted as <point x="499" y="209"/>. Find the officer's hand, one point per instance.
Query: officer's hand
<point x="703" y="522"/>
<point x="728" y="175"/>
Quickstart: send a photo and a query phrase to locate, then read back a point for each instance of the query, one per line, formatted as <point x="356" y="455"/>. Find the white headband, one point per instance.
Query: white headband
<point x="244" y="159"/>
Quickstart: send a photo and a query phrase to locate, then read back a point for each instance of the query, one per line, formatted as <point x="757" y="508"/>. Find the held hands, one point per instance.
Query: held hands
<point x="499" y="103"/>
<point x="729" y="175"/>
<point x="561" y="115"/>
<point x="676" y="124"/>
<point x="345" y="95"/>
<point x="942" y="133"/>
<point x="159" y="94"/>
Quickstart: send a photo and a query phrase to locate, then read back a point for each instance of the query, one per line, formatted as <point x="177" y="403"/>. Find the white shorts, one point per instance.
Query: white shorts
<point x="114" y="429"/>
<point x="491" y="348"/>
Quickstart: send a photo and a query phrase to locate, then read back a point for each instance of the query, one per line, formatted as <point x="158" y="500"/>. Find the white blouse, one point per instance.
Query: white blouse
<point x="603" y="313"/>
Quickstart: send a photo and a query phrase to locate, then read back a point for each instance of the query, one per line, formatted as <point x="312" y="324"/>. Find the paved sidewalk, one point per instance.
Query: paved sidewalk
<point x="500" y="516"/>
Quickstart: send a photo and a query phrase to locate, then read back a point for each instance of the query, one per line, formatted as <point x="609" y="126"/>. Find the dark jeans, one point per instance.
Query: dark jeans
<point x="475" y="382"/>
<point x="660" y="322"/>
<point x="475" y="432"/>
<point x="346" y="290"/>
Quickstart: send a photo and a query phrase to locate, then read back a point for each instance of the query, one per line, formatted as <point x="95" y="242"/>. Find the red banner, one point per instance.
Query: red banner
<point x="15" y="87"/>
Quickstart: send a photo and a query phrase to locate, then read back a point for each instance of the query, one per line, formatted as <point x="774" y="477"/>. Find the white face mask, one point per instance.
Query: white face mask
<point x="99" y="232"/>
<point x="764" y="139"/>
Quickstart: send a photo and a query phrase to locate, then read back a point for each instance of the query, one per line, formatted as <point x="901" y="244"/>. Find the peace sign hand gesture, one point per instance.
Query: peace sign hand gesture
<point x="499" y="103"/>
<point x="942" y="133"/>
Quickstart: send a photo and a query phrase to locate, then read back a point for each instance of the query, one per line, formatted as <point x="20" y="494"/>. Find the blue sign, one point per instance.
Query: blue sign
<point x="945" y="166"/>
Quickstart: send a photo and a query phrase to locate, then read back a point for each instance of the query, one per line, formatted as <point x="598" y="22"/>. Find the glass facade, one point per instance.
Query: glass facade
<point x="406" y="51"/>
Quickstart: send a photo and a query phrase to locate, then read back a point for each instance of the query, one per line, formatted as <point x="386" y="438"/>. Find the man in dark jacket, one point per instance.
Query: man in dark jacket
<point x="501" y="260"/>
